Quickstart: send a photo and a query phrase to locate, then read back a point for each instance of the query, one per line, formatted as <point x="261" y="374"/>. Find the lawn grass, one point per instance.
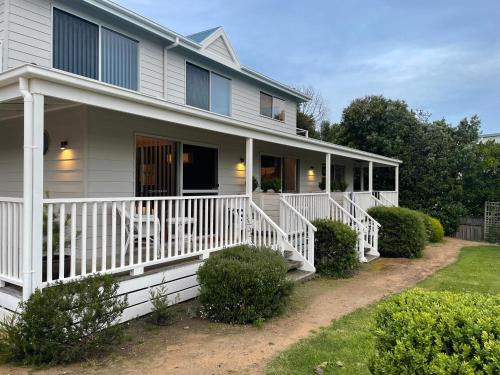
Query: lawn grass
<point x="345" y="347"/>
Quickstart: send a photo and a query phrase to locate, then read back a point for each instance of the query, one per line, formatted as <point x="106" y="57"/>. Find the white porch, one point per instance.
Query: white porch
<point x="94" y="222"/>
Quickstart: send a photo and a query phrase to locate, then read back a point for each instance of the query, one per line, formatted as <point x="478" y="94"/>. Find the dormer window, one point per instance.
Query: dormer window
<point x="272" y="107"/>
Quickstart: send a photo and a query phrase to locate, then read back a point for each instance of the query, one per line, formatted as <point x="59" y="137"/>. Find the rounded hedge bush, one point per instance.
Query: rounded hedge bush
<point x="422" y="332"/>
<point x="437" y="230"/>
<point x="429" y="231"/>
<point x="244" y="284"/>
<point x="335" y="252"/>
<point x="402" y="232"/>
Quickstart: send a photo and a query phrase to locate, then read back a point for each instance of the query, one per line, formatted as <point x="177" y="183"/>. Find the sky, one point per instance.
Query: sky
<point x="440" y="56"/>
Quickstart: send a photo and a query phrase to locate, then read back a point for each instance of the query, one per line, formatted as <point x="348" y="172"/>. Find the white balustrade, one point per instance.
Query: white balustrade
<point x="388" y="198"/>
<point x="11" y="240"/>
<point x="262" y="231"/>
<point x="112" y="235"/>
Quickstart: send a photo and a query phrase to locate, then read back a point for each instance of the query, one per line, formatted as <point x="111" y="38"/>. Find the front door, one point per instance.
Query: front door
<point x="290" y="175"/>
<point x="156" y="171"/>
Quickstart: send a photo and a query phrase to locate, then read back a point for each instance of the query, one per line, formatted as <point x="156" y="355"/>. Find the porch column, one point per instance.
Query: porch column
<point x="396" y="178"/>
<point x="370" y="176"/>
<point x="249" y="167"/>
<point x="328" y="174"/>
<point x="32" y="188"/>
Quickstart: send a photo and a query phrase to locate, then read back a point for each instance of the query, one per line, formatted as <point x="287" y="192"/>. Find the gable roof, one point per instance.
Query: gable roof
<point x="202" y="35"/>
<point x="162" y="32"/>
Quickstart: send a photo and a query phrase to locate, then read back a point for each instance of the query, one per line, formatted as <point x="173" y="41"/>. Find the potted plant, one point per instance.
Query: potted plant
<point x="274" y="185"/>
<point x="255" y="183"/>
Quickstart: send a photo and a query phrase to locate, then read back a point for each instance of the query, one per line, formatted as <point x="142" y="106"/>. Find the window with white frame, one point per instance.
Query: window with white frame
<point x="271" y="106"/>
<point x="76" y="50"/>
<point x="207" y="90"/>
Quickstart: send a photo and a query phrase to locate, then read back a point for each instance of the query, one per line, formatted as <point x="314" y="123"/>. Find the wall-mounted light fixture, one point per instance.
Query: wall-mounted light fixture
<point x="64" y="145"/>
<point x="311" y="171"/>
<point x="241" y="165"/>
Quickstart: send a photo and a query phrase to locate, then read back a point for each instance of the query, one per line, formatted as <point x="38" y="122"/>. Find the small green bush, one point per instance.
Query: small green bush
<point x="493" y="235"/>
<point x="335" y="252"/>
<point x="426" y="219"/>
<point x="255" y="183"/>
<point x="402" y="232"/>
<point x="274" y="184"/>
<point x="437" y="230"/>
<point x="161" y="314"/>
<point x="422" y="332"/>
<point x="66" y="322"/>
<point x="244" y="284"/>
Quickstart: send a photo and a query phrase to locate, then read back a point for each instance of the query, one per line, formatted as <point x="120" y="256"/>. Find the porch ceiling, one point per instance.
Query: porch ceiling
<point x="15" y="107"/>
<point x="65" y="87"/>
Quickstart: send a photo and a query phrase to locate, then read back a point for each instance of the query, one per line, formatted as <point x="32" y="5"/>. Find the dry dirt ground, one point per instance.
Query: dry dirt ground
<point x="195" y="346"/>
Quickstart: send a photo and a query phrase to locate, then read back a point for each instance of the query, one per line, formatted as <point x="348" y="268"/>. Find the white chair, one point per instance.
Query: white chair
<point x="153" y="221"/>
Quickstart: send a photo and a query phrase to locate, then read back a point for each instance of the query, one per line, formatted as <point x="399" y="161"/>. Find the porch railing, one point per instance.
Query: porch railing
<point x="11" y="240"/>
<point x="112" y="235"/>
<point x="372" y="226"/>
<point x="299" y="230"/>
<point x="321" y="206"/>
<point x="388" y="198"/>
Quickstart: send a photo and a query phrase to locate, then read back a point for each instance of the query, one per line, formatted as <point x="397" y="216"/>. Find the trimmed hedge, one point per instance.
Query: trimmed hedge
<point x="244" y="284"/>
<point x="335" y="252"/>
<point x="437" y="230"/>
<point x="402" y="232"/>
<point x="429" y="231"/>
<point x="421" y="332"/>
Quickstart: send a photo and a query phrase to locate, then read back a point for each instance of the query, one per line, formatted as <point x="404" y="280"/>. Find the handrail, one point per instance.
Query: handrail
<point x="302" y="217"/>
<point x="362" y="211"/>
<point x="351" y="216"/>
<point x="268" y="219"/>
<point x="132" y="199"/>
<point x="11" y="200"/>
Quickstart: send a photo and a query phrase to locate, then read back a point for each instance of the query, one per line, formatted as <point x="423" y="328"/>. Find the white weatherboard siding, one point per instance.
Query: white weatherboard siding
<point x="111" y="137"/>
<point x="63" y="170"/>
<point x="219" y="47"/>
<point x="28" y="38"/>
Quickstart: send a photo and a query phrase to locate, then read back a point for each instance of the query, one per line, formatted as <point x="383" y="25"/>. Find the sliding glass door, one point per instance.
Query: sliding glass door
<point x="156" y="171"/>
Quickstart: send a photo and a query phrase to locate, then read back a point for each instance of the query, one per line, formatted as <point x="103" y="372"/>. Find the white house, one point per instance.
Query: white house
<point x="128" y="148"/>
<point x="495" y="137"/>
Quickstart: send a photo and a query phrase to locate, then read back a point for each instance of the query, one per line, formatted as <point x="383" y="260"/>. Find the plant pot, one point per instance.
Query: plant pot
<point x="55" y="267"/>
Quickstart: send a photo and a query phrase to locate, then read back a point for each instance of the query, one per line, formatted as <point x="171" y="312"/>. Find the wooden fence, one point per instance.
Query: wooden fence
<point x="471" y="229"/>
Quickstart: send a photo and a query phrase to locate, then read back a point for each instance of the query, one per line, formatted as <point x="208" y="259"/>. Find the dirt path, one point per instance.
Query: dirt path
<point x="198" y="347"/>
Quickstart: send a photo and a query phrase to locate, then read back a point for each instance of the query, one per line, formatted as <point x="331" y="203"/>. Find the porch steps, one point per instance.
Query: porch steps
<point x="294" y="273"/>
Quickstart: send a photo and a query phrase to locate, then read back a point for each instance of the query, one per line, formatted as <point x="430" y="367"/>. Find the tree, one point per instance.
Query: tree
<point x="306" y="122"/>
<point x="316" y="108"/>
<point x="435" y="154"/>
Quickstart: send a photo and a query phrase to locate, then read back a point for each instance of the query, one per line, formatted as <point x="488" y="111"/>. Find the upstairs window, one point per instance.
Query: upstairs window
<point x="76" y="50"/>
<point x="119" y="60"/>
<point x="207" y="90"/>
<point x="272" y="107"/>
<point x="76" y="45"/>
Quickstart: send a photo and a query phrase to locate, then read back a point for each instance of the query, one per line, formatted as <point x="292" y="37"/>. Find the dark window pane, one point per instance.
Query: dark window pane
<point x="119" y="60"/>
<point x="270" y="168"/>
<point x="199" y="168"/>
<point x="197" y="87"/>
<point x="220" y="94"/>
<point x="75" y="45"/>
<point x="266" y="105"/>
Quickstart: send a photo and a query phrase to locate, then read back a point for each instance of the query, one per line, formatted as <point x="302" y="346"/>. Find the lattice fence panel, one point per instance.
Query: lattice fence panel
<point x="491" y="217"/>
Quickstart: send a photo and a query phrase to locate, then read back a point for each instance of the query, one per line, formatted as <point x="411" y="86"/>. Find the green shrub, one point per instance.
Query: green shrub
<point x="493" y="235"/>
<point x="66" y="322"/>
<point x="161" y="314"/>
<point x="429" y="231"/>
<point x="255" y="183"/>
<point x="335" y="252"/>
<point x="437" y="230"/>
<point x="274" y="184"/>
<point x="244" y="284"/>
<point x="402" y="232"/>
<point x="421" y="332"/>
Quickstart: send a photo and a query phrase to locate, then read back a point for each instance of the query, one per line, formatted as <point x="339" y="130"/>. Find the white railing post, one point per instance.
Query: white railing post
<point x="370" y="176"/>
<point x="328" y="174"/>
